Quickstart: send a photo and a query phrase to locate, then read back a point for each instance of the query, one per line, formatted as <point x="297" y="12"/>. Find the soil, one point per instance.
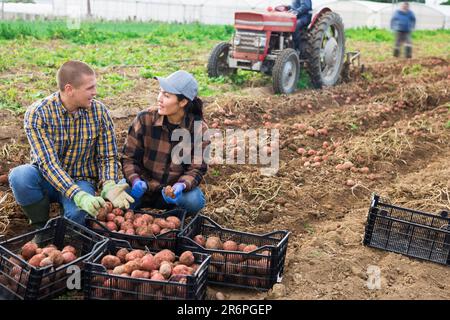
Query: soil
<point x="385" y="119"/>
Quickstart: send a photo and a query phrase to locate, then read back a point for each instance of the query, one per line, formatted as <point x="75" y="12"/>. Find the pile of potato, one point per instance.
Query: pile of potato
<point x="162" y="266"/>
<point x="38" y="258"/>
<point x="238" y="264"/>
<point x="117" y="220"/>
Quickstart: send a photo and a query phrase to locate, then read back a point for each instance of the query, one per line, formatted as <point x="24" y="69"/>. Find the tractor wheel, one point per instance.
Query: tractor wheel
<point x="217" y="62"/>
<point x="325" y="50"/>
<point x="286" y="72"/>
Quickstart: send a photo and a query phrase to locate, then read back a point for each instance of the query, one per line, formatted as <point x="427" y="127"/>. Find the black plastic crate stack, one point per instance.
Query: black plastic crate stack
<point x="167" y="240"/>
<point x="19" y="280"/>
<point x="259" y="269"/>
<point x="413" y="233"/>
<point x="100" y="285"/>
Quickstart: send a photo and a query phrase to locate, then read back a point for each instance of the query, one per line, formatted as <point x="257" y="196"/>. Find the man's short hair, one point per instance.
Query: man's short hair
<point x="71" y="72"/>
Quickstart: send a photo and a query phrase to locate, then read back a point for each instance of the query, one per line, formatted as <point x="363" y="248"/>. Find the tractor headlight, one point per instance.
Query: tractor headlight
<point x="237" y="40"/>
<point x="259" y="42"/>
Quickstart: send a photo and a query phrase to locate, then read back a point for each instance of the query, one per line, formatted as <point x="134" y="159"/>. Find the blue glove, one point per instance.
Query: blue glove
<point x="138" y="189"/>
<point x="177" y="190"/>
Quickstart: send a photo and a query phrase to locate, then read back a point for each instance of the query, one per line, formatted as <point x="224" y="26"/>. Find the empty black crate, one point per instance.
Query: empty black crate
<point x="20" y="280"/>
<point x="258" y="269"/>
<point x="413" y="233"/>
<point x="167" y="240"/>
<point x="100" y="285"/>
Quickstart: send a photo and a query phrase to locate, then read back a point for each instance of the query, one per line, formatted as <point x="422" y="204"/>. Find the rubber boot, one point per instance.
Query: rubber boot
<point x="396" y="52"/>
<point x="38" y="214"/>
<point x="408" y="52"/>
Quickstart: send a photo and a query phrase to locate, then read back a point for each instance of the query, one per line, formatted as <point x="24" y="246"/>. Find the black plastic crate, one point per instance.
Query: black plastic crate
<point x="259" y="269"/>
<point x="100" y="285"/>
<point x="413" y="233"/>
<point x="20" y="280"/>
<point x="166" y="240"/>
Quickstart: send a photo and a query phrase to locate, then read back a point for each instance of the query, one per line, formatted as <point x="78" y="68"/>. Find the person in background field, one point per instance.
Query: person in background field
<point x="402" y="23"/>
<point x="303" y="10"/>
<point x="73" y="148"/>
<point x="148" y="163"/>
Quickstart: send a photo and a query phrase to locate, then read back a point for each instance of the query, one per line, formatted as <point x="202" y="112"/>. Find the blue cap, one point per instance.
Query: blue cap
<point x="180" y="82"/>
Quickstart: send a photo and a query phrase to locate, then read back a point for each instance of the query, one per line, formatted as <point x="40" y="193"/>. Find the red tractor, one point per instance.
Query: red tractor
<point x="263" y="41"/>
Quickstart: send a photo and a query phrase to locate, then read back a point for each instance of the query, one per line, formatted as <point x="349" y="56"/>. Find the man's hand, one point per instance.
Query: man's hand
<point x="139" y="188"/>
<point x="88" y="202"/>
<point x="117" y="195"/>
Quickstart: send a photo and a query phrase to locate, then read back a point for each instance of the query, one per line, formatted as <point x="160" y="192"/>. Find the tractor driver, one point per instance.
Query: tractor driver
<point x="303" y="10"/>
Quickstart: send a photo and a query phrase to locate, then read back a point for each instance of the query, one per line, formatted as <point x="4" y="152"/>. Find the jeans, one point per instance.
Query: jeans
<point x="302" y="23"/>
<point x="29" y="186"/>
<point x="192" y="201"/>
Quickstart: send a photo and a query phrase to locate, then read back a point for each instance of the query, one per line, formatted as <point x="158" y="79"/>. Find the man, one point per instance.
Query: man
<point x="303" y="10"/>
<point x="403" y="22"/>
<point x="73" y="147"/>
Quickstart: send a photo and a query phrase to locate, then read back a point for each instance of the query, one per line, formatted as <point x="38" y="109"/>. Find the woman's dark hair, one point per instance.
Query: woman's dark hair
<point x="194" y="106"/>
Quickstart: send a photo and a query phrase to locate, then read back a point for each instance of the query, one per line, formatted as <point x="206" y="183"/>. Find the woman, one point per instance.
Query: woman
<point x="149" y="163"/>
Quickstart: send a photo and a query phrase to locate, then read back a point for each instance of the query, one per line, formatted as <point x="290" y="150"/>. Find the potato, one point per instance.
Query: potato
<point x="129" y="215"/>
<point x="241" y="246"/>
<point x="68" y="257"/>
<point x="156" y="229"/>
<point x="127" y="224"/>
<point x="130" y="266"/>
<point x="119" y="270"/>
<point x="119" y="220"/>
<point x="135" y="254"/>
<point x="174" y="220"/>
<point x="140" y="274"/>
<point x="130" y="232"/>
<point x="118" y="212"/>
<point x="47" y="261"/>
<point x="200" y="240"/>
<point x="70" y="249"/>
<point x="161" y="222"/>
<point x="230" y="246"/>
<point x="169" y="192"/>
<point x="108" y="206"/>
<point x="110" y="262"/>
<point x="171" y="225"/>
<point x="147" y="218"/>
<point x="165" y="269"/>
<point x="48" y="250"/>
<point x="38" y="250"/>
<point x="121" y="254"/>
<point x="213" y="243"/>
<point x="56" y="257"/>
<point x="139" y="222"/>
<point x="165" y="255"/>
<point x="235" y="258"/>
<point x="187" y="258"/>
<point x="145" y="231"/>
<point x="111" y="226"/>
<point x="29" y="250"/>
<point x="149" y="263"/>
<point x="101" y="215"/>
<point x="217" y="257"/>
<point x="182" y="269"/>
<point x="35" y="261"/>
<point x="110" y="217"/>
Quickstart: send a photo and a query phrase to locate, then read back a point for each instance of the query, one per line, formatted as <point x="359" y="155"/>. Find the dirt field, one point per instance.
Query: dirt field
<point x="393" y="119"/>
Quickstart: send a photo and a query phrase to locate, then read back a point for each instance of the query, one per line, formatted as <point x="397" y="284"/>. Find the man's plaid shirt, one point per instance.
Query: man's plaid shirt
<point x="71" y="147"/>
